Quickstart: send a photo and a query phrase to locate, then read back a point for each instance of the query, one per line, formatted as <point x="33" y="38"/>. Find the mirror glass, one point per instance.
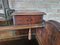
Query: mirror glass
<point x="0" y="4"/>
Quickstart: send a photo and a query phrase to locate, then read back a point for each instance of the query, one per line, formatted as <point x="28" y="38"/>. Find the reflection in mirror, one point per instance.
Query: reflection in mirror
<point x="0" y="4"/>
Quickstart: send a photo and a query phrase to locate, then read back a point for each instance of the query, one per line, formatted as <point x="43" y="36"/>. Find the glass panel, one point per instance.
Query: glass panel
<point x="0" y="4"/>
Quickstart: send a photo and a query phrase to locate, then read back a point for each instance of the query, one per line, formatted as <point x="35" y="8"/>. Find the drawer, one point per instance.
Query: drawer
<point x="26" y="20"/>
<point x="36" y="19"/>
<point x="22" y="20"/>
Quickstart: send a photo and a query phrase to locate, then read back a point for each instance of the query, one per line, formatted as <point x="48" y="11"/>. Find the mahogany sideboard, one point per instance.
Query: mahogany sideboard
<point x="27" y="18"/>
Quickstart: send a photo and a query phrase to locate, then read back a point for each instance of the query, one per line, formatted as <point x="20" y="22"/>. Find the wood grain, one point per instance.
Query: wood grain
<point x="50" y="35"/>
<point x="9" y="28"/>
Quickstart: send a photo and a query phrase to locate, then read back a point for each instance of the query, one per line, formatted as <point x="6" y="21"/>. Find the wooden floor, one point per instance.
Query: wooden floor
<point x="21" y="42"/>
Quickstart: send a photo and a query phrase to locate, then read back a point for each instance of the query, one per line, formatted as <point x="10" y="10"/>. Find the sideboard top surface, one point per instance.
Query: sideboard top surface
<point x="28" y="13"/>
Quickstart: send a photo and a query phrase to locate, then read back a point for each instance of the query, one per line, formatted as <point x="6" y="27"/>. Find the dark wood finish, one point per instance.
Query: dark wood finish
<point x="50" y="35"/>
<point x="28" y="18"/>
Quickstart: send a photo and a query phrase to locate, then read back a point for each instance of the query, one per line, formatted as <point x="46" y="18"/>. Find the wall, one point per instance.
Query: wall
<point x="51" y="7"/>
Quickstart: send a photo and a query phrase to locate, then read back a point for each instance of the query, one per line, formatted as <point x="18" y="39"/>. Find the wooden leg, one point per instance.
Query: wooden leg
<point x="29" y="34"/>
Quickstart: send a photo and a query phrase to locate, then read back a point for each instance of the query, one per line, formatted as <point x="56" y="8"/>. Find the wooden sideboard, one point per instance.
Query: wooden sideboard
<point x="25" y="25"/>
<point x="27" y="18"/>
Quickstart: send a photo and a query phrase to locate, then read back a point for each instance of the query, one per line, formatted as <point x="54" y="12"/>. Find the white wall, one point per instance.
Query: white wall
<point x="51" y="7"/>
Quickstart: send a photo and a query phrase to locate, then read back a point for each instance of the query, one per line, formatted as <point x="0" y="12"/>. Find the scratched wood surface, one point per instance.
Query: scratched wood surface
<point x="50" y="35"/>
<point x="11" y="28"/>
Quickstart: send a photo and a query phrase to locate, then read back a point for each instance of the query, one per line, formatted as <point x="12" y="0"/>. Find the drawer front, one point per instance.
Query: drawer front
<point x="26" y="20"/>
<point x="36" y="19"/>
<point x="22" y="20"/>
